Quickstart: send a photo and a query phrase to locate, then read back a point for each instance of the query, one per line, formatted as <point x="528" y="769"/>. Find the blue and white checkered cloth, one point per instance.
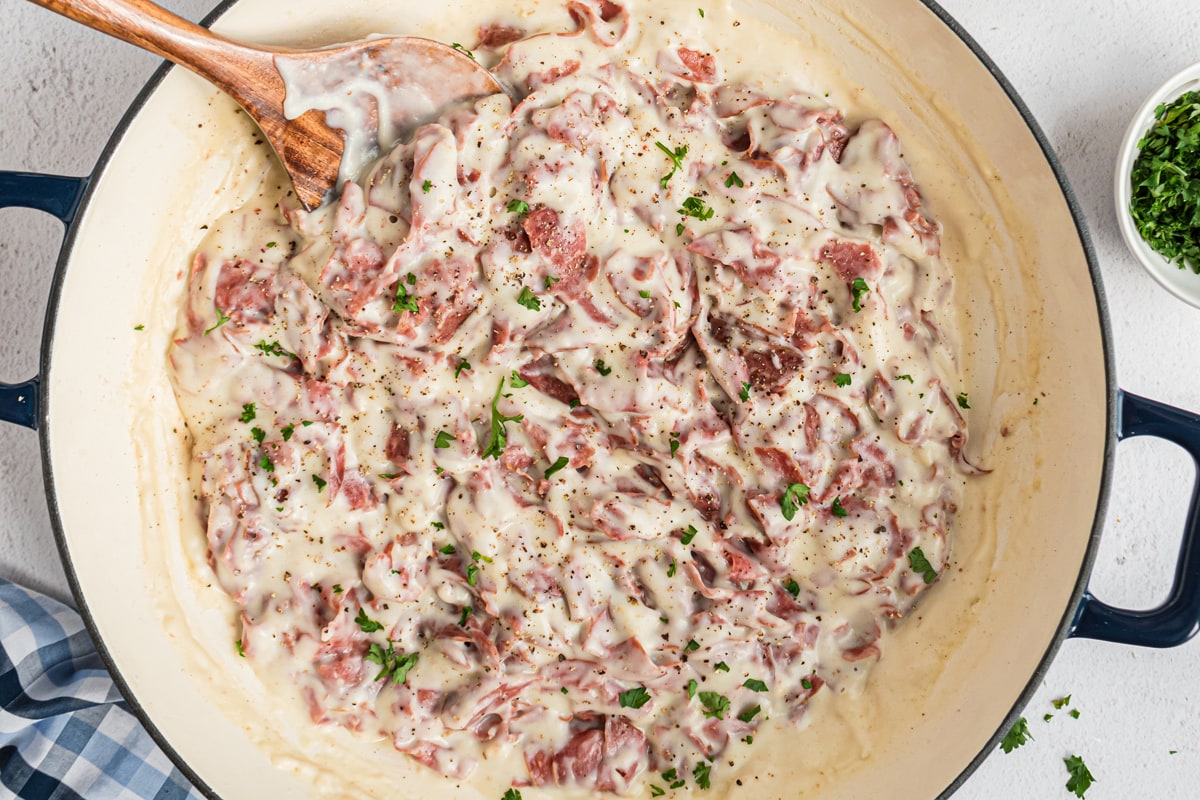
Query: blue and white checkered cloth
<point x="65" y="731"/>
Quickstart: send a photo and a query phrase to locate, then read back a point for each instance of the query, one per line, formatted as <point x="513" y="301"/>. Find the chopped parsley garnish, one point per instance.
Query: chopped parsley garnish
<point x="749" y="713"/>
<point x="462" y="364"/>
<point x="248" y="413"/>
<point x="320" y="482"/>
<point x="530" y="300"/>
<point x="755" y="685"/>
<point x="266" y="463"/>
<point x="1081" y="778"/>
<point x="645" y="293"/>
<point x="692" y="686"/>
<point x="792" y="587"/>
<point x="478" y="556"/>
<point x="1017" y="735"/>
<point x="744" y="394"/>
<point x="511" y="794"/>
<point x="842" y="379"/>
<point x="446" y="549"/>
<point x="426" y="186"/>
<point x="701" y="774"/>
<point x="516" y="381"/>
<point x="259" y="434"/>
<point x="394" y="666"/>
<point x="439" y="526"/>
<point x="733" y="180"/>
<point x="287" y="431"/>
<point x="858" y="288"/>
<point x="222" y="318"/>
<point x="271" y="244"/>
<point x="836" y="507"/>
<point x="1061" y="702"/>
<point x="657" y="791"/>
<point x="139" y="327"/>
<point x="1164" y="182"/>
<point x="908" y="378"/>
<point x="337" y="588"/>
<point x="462" y="620"/>
<point x="634" y="698"/>
<point x="920" y="565"/>
<point x="691" y="645"/>
<point x="550" y="281"/>
<point x="701" y="10"/>
<point x="602" y="368"/>
<point x="677" y="155"/>
<point x="689" y="534"/>
<point x="519" y="207"/>
<point x="499" y="437"/>
<point x="367" y="624"/>
<point x="1074" y="712"/>
<point x="962" y="400"/>
<point x="721" y="666"/>
<point x="443" y="440"/>
<point x="463" y="50"/>
<point x="237" y="643"/>
<point x="405" y="301"/>
<point x="715" y="704"/>
<point x="674" y="441"/>
<point x="273" y="349"/>
<point x="694" y="207"/>
<point x="671" y="569"/>
<point x="794" y="496"/>
<point x="806" y="683"/>
<point x="558" y="464"/>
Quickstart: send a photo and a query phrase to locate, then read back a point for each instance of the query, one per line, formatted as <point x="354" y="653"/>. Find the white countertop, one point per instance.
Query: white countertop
<point x="1081" y="71"/>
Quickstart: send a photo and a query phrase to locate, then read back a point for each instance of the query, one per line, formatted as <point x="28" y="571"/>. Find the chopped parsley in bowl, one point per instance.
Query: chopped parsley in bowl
<point x="1157" y="185"/>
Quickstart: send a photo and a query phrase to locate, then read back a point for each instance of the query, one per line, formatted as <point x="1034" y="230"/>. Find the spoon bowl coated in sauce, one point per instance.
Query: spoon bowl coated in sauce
<point x="421" y="76"/>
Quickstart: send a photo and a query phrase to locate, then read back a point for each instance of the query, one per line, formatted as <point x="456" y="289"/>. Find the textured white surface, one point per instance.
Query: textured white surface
<point x="1081" y="70"/>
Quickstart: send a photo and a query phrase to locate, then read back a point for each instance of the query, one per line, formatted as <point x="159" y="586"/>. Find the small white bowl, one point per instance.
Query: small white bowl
<point x="1183" y="283"/>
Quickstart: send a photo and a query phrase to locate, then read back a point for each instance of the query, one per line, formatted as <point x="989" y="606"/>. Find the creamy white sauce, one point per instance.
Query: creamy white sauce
<point x="711" y="368"/>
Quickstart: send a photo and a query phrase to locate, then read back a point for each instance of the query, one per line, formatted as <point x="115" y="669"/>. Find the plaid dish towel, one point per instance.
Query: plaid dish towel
<point x="65" y="730"/>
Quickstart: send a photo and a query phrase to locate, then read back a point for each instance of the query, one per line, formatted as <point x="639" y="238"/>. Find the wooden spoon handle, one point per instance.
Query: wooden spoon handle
<point x="231" y="66"/>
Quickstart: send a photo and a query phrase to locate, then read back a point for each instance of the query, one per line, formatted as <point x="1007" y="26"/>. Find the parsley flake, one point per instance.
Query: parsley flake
<point x="248" y="413"/>
<point x="691" y="646"/>
<point x="721" y="666"/>
<point x="600" y="366"/>
<point x="1080" y="777"/>
<point x="842" y="379"/>
<point x="836" y="507"/>
<point x="793" y="588"/>
<point x="237" y="643"/>
<point x="405" y="301"/>
<point x="530" y="300"/>
<point x="749" y="713"/>
<point x="463" y="50"/>
<point x="273" y="349"/>
<point x="1061" y="702"/>
<point x="337" y="588"/>
<point x="443" y="440"/>
<point x="634" y="698"/>
<point x="259" y="434"/>
<point x="365" y="623"/>
<point x="694" y="207"/>
<point x="287" y="431"/>
<point x="689" y="534"/>
<point x="426" y="186"/>
<point x="518" y="207"/>
<point x="462" y="365"/>
<point x="920" y="565"/>
<point x="677" y="155"/>
<point x="755" y="685"/>
<point x="266" y="463"/>
<point x="498" y="439"/>
<point x="859" y="288"/>
<point x="657" y="791"/>
<point x="511" y="794"/>
<point x="462" y="620"/>
<point x="320" y="482"/>
<point x="692" y="686"/>
<point x="392" y="665"/>
<point x="671" y="569"/>
<point x="715" y="704"/>
<point x="645" y="293"/>
<point x="794" y="496"/>
<point x="744" y="394"/>
<point x="701" y="774"/>
<point x="908" y="378"/>
<point x="558" y="464"/>
<point x="1017" y="735"/>
<point x="222" y="318"/>
<point x="674" y="441"/>
<point x="962" y="400"/>
<point x="733" y="180"/>
<point x="516" y="381"/>
<point x="446" y="549"/>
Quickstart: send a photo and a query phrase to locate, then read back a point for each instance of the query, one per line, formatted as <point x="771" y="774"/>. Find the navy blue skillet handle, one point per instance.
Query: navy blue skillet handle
<point x="1177" y="619"/>
<point x="59" y="196"/>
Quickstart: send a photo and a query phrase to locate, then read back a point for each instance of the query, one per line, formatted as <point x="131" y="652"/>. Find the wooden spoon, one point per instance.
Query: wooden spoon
<point x="310" y="150"/>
